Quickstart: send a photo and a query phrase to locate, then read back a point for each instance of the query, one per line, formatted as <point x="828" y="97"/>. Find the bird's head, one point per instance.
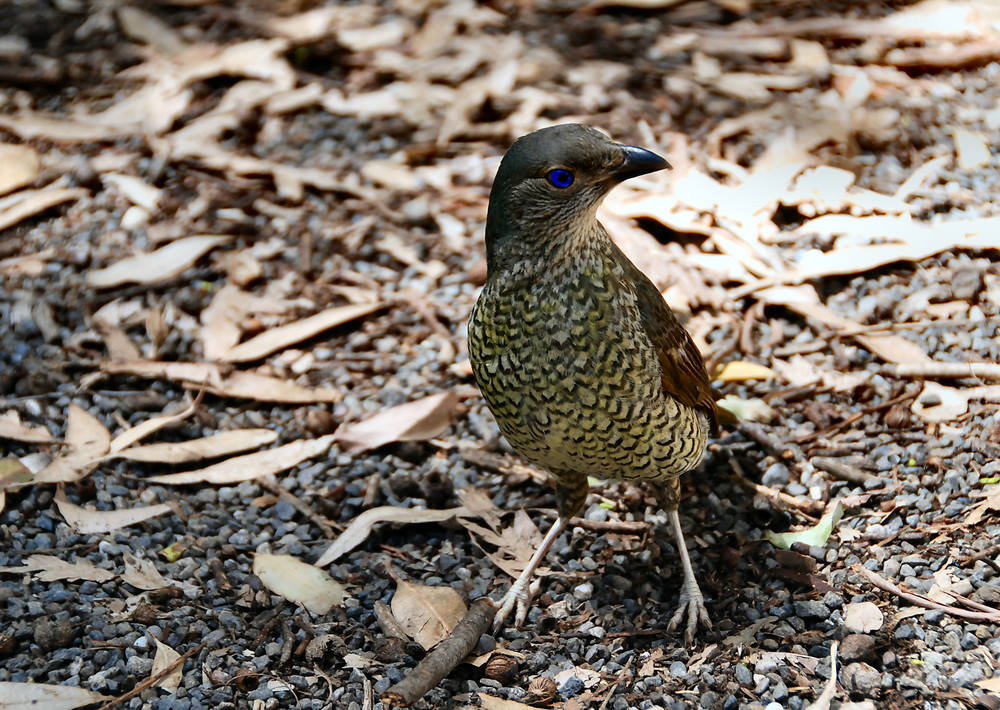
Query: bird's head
<point x="549" y="186"/>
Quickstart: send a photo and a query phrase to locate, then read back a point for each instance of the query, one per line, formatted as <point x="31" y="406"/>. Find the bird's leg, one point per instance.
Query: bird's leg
<point x="692" y="603"/>
<point x="519" y="593"/>
<point x="571" y="492"/>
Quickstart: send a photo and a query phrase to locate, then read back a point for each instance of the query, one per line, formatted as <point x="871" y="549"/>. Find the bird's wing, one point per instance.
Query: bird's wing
<point x="681" y="364"/>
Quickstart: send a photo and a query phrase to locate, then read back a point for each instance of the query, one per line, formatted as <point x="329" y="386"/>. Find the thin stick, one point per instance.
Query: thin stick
<point x="622" y="527"/>
<point x="808" y="508"/>
<point x="920" y="600"/>
<point x="284" y="494"/>
<point x="443" y="659"/>
<point x="980" y="370"/>
<point x="843" y="471"/>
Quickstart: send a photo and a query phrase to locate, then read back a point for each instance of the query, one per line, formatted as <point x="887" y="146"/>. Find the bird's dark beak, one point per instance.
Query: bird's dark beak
<point x="638" y="161"/>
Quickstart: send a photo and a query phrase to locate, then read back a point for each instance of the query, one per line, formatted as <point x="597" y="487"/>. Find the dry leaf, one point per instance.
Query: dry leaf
<point x="740" y="371"/>
<point x="48" y="568"/>
<point x="34" y="202"/>
<point x="14" y="474"/>
<point x="938" y="403"/>
<point x="414" y="421"/>
<point x="19" y="166"/>
<point x="11" y="427"/>
<point x="427" y="614"/>
<point x="299" y="582"/>
<point x="816" y="535"/>
<point x="281" y="337"/>
<point x="246" y="468"/>
<point x="751" y="410"/>
<point x="971" y="151"/>
<point x="149" y="427"/>
<point x="142" y="573"/>
<point x="88" y="521"/>
<point x="161" y="661"/>
<point x="990" y="685"/>
<point x="38" y="696"/>
<point x="862" y="617"/>
<point x="360" y="528"/>
<point x="492" y="702"/>
<point x="137" y="191"/>
<point x="164" y="263"/>
<point x="224" y="443"/>
<point x="88" y="442"/>
<point x="261" y="388"/>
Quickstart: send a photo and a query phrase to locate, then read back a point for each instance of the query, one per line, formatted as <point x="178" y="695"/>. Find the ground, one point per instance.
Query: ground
<point x="827" y="234"/>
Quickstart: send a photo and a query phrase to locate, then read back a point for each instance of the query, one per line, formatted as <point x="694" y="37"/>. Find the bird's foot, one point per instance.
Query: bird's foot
<point x="518" y="595"/>
<point x="692" y="606"/>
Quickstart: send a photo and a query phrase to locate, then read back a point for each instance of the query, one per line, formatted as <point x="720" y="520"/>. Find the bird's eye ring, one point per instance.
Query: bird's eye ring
<point x="561" y="178"/>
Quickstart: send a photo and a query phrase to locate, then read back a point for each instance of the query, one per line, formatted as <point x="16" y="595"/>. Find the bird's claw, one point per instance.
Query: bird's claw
<point x="692" y="606"/>
<point x="519" y="596"/>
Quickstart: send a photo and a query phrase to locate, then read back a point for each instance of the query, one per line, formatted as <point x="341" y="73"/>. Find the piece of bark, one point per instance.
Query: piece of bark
<point x="443" y="659"/>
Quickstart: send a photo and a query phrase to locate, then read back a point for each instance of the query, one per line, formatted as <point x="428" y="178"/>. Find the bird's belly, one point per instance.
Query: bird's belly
<point x="577" y="392"/>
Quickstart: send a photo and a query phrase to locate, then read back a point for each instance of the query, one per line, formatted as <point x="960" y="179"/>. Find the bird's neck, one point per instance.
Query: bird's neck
<point x="532" y="250"/>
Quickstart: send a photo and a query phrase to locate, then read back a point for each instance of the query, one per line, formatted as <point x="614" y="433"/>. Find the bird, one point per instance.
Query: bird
<point x="584" y="366"/>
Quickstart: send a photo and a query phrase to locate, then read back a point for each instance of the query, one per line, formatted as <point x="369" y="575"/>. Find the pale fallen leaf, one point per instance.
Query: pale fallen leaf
<point x="278" y="338"/>
<point x="246" y="468"/>
<point x="34" y="202"/>
<point x="30" y="125"/>
<point x="419" y="420"/>
<point x="136" y="190"/>
<point x="800" y="372"/>
<point x="88" y="442"/>
<point x="145" y="27"/>
<point x="14" y="474"/>
<point x="862" y="617"/>
<point x="427" y="614"/>
<point x="991" y="685"/>
<point x="971" y="151"/>
<point x="514" y="545"/>
<point x="360" y="528"/>
<point x="492" y="702"/>
<point x="213" y="378"/>
<point x="11" y="427"/>
<point x="140" y="431"/>
<point x="299" y="582"/>
<point x="161" y="661"/>
<point x="224" y="443"/>
<point x="816" y="535"/>
<point x="751" y="410"/>
<point x="39" y="696"/>
<point x="221" y="319"/>
<point x="48" y="568"/>
<point x="938" y="403"/>
<point x="740" y="371"/>
<point x="142" y="574"/>
<point x="164" y="263"/>
<point x="88" y="521"/>
<point x="262" y="388"/>
<point x="19" y="166"/>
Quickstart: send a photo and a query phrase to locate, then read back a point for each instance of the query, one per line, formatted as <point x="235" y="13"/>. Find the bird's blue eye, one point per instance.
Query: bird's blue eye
<point x="561" y="178"/>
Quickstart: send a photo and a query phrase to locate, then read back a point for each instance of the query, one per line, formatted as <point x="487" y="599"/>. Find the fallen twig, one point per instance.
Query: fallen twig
<point x="843" y="471"/>
<point x="622" y="527"/>
<point x="443" y="659"/>
<point x="979" y="370"/>
<point x="922" y="601"/>
<point x="809" y="508"/>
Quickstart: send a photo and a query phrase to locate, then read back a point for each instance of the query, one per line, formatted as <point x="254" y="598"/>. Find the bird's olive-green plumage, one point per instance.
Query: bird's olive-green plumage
<point x="585" y="368"/>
